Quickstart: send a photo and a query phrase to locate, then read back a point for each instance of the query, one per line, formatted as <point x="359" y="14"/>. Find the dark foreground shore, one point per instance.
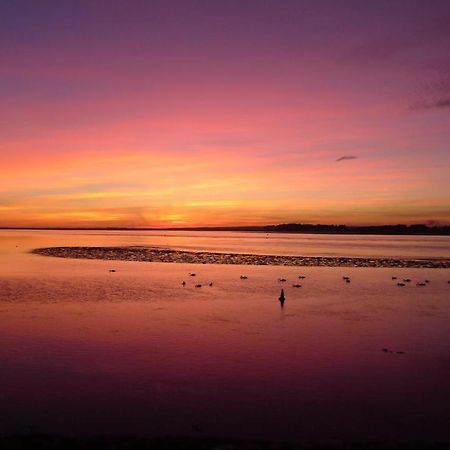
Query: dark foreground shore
<point x="50" y="442"/>
<point x="152" y="254"/>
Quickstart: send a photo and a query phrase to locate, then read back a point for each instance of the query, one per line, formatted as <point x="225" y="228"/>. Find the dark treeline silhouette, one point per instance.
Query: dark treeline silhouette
<point x="418" y="229"/>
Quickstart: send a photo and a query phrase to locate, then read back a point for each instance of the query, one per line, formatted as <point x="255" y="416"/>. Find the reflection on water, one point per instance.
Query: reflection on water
<point x="257" y="243"/>
<point x="84" y="350"/>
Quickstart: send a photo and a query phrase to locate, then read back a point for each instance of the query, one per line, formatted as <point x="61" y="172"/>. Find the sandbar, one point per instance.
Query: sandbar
<point x="154" y="254"/>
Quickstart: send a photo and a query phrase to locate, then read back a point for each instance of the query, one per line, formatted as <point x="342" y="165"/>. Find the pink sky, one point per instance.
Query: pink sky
<point x="201" y="113"/>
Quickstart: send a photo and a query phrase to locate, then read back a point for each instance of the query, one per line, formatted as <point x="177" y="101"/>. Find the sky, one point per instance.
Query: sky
<point x="216" y="113"/>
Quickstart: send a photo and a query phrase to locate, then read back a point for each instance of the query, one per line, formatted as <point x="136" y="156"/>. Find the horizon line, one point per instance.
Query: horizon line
<point x="276" y="228"/>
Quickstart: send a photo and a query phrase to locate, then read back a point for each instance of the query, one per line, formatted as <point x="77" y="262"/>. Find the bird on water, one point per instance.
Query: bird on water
<point x="282" y="298"/>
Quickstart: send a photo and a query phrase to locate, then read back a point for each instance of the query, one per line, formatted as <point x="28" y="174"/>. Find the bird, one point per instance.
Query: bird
<point x="297" y="285"/>
<point x="281" y="280"/>
<point x="421" y="284"/>
<point x="191" y="274"/>
<point x="112" y="270"/>
<point x="400" y="284"/>
<point x="406" y="280"/>
<point x="282" y="298"/>
<point x="184" y="283"/>
<point x="244" y="277"/>
<point x="210" y="284"/>
<point x="302" y="277"/>
<point x="198" y="285"/>
<point x="394" y="278"/>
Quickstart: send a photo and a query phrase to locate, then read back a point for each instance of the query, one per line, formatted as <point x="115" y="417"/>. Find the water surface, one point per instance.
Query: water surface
<point x="83" y="350"/>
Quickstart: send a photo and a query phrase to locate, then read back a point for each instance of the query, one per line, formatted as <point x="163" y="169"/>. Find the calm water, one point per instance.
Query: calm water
<point x="257" y="243"/>
<point x="83" y="350"/>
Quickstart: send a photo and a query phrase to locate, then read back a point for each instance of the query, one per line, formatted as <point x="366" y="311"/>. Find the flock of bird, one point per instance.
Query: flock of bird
<point x="408" y="280"/>
<point x="346" y="279"/>
<point x="282" y="297"/>
<point x="245" y="277"/>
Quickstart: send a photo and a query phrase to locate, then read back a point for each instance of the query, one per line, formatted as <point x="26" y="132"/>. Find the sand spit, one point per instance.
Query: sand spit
<point x="152" y="254"/>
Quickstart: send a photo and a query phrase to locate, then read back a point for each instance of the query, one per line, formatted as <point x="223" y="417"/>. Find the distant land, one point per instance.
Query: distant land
<point x="417" y="229"/>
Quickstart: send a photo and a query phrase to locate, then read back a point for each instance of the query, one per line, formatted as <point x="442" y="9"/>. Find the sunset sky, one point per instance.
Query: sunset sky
<point x="184" y="113"/>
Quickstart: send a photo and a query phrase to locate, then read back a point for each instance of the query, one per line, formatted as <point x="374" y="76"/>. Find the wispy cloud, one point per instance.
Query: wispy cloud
<point x="443" y="103"/>
<point x="418" y="37"/>
<point x="435" y="93"/>
<point x="346" y="158"/>
<point x="439" y="104"/>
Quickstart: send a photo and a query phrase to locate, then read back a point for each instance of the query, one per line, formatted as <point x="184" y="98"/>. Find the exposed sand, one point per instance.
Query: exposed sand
<point x="152" y="254"/>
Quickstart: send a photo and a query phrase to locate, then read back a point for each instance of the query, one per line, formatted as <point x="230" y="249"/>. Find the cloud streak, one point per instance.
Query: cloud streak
<point x="436" y="104"/>
<point x="346" y="158"/>
<point x="444" y="103"/>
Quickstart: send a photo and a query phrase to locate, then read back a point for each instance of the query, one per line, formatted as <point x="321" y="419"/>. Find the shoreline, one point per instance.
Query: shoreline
<point x="154" y="254"/>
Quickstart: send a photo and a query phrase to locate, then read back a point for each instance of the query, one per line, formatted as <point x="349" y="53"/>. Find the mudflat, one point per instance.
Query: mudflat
<point x="155" y="254"/>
